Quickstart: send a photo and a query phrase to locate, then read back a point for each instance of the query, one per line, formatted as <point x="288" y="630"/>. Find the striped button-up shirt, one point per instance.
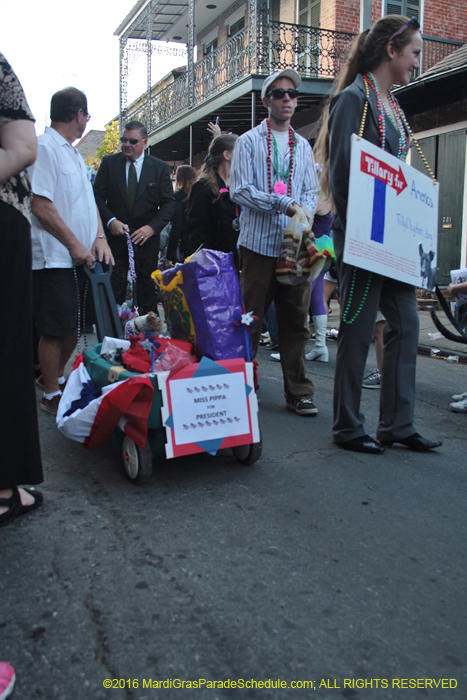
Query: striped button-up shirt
<point x="261" y="227"/>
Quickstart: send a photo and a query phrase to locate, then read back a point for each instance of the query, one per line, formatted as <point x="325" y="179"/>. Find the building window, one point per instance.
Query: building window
<point x="237" y="26"/>
<point x="309" y="13"/>
<point x="275" y="10"/>
<point x="409" y="8"/>
<point x="209" y="48"/>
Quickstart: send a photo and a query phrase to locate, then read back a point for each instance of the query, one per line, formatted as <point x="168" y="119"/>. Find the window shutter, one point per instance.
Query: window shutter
<point x="413" y="9"/>
<point x="410" y="8"/>
<point x="316" y="13"/>
<point x="275" y="10"/>
<point x="303" y="13"/>
<point x="395" y="7"/>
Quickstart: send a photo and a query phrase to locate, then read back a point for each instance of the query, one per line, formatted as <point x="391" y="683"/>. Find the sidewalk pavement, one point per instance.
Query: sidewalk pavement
<point x="425" y="343"/>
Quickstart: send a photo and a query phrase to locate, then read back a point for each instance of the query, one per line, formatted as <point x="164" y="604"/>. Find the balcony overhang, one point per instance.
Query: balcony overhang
<point x="236" y="107"/>
<point x="168" y="19"/>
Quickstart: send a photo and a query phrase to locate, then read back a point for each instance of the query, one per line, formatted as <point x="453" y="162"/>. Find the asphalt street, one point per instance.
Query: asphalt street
<point x="313" y="565"/>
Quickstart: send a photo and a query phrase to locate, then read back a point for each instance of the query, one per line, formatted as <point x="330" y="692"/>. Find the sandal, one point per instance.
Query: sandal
<point x="15" y="507"/>
<point x="38" y="498"/>
<point x="13" y="504"/>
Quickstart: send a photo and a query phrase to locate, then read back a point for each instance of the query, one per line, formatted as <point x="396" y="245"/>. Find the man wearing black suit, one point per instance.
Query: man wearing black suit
<point x="134" y="194"/>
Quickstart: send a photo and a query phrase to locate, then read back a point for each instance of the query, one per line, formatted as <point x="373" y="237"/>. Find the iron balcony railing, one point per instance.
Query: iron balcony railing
<point x="312" y="51"/>
<point x="218" y="70"/>
<point x="222" y="68"/>
<point x="434" y="50"/>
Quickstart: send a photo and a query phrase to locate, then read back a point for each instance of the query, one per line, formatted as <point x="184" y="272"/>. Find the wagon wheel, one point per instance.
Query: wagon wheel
<point x="248" y="454"/>
<point x="137" y="462"/>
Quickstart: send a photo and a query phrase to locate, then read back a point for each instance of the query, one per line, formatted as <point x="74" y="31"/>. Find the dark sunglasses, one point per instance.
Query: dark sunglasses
<point x="133" y="142"/>
<point x="279" y="93"/>
<point x="412" y="24"/>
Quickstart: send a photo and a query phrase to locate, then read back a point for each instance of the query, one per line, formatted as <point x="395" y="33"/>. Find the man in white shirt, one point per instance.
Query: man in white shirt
<point x="66" y="234"/>
<point x="273" y="169"/>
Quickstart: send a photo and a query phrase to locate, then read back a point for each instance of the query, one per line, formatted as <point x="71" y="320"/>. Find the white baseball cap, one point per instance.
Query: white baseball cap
<point x="289" y="73"/>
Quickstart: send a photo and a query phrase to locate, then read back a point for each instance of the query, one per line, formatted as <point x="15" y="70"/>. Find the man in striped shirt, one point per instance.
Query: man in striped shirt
<point x="268" y="188"/>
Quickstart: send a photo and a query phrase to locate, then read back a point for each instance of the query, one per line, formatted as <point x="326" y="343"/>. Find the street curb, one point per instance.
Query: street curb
<point x="426" y="350"/>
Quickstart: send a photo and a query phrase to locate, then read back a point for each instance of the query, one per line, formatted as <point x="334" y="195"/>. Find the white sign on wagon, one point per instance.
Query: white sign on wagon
<point x="217" y="410"/>
<point x="208" y="406"/>
<point x="392" y="217"/>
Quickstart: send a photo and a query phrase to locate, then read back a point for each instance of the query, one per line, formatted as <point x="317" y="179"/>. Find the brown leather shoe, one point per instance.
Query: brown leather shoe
<point x="50" y="405"/>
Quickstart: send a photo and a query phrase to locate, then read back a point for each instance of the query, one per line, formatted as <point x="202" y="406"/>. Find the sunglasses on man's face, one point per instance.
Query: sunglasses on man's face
<point x="411" y="24"/>
<point x="279" y="93"/>
<point x="133" y="142"/>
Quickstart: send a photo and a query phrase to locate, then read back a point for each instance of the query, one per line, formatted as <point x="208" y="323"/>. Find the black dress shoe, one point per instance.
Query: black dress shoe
<point x="365" y="443"/>
<point x="415" y="442"/>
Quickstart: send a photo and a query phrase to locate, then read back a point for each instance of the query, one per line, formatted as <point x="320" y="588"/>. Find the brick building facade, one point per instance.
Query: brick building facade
<point x="344" y="15"/>
<point x="439" y="120"/>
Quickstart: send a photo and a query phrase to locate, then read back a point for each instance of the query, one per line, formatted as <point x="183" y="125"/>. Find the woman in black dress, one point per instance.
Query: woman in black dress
<point x="21" y="458"/>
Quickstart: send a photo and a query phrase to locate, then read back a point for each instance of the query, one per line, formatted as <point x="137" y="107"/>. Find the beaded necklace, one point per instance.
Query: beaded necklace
<point x="382" y="110"/>
<point x="288" y="174"/>
<point x="351" y="293"/>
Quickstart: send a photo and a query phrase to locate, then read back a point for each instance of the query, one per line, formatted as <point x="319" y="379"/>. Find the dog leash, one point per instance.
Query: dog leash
<point x="131" y="264"/>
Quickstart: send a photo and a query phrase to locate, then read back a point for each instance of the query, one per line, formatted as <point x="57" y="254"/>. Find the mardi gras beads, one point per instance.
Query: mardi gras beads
<point x="288" y="173"/>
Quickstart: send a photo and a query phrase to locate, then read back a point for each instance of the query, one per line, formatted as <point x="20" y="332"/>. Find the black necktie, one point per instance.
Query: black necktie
<point x="132" y="186"/>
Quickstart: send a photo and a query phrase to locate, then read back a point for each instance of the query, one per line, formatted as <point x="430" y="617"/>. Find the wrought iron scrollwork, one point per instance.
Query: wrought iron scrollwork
<point x="312" y="51"/>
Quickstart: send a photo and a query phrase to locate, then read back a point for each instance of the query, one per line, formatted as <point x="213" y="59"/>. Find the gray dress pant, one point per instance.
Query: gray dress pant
<point x="398" y="303"/>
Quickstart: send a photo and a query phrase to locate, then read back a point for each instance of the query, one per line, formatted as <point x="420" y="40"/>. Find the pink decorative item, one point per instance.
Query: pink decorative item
<point x="280" y="188"/>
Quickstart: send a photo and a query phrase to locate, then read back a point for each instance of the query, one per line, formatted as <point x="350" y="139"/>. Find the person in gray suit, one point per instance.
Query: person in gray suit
<point x="134" y="195"/>
<point x="380" y="58"/>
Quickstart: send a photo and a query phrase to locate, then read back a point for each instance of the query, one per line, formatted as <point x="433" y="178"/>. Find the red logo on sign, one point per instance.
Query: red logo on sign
<point x="381" y="171"/>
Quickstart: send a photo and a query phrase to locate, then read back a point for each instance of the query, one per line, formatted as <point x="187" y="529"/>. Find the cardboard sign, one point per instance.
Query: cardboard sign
<point x="392" y="217"/>
<point x="209" y="406"/>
